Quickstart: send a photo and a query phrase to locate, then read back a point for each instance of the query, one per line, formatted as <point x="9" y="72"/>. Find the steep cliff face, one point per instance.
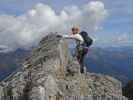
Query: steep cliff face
<point x="50" y="73"/>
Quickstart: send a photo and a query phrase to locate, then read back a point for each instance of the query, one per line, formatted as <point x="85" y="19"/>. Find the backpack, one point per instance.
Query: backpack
<point x="87" y="40"/>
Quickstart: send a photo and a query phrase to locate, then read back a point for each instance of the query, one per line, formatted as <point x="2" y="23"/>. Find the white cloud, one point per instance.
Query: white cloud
<point x="26" y="30"/>
<point x="123" y="39"/>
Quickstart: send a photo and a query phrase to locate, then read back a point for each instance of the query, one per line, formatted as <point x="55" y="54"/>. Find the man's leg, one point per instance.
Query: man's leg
<point x="81" y="52"/>
<point x="82" y="63"/>
<point x="82" y="56"/>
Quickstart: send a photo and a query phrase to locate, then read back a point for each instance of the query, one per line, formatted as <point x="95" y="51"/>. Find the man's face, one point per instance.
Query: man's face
<point x="75" y="30"/>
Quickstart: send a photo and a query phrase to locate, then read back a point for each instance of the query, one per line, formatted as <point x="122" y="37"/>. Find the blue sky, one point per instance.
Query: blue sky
<point x="117" y="27"/>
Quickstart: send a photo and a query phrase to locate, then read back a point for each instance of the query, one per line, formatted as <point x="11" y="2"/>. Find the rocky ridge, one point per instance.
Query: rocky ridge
<point x="51" y="73"/>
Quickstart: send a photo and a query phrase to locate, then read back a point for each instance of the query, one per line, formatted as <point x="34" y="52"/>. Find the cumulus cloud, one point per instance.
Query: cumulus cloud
<point x="26" y="30"/>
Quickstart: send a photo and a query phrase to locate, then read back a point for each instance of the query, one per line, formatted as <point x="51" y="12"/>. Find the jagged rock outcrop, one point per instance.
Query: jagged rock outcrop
<point x="50" y="73"/>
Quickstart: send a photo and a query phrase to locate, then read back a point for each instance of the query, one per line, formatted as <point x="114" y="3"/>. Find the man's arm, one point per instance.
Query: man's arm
<point x="76" y="37"/>
<point x="69" y="36"/>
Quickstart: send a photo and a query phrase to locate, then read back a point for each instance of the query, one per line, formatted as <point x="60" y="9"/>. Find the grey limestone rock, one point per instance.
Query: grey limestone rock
<point x="50" y="73"/>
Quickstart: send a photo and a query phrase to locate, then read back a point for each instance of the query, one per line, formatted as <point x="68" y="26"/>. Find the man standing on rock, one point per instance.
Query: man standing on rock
<point x="83" y="42"/>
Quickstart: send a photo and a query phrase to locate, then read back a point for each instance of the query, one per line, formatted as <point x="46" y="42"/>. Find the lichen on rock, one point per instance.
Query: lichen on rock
<point x="50" y="73"/>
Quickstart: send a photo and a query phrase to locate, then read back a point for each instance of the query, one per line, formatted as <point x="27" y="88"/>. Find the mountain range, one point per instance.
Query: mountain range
<point x="10" y="61"/>
<point x="114" y="61"/>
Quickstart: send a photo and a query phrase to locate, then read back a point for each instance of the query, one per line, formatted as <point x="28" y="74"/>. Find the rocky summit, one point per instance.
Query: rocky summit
<point x="51" y="73"/>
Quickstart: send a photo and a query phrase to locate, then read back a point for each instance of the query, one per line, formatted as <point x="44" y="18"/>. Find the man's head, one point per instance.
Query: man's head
<point x="75" y="30"/>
